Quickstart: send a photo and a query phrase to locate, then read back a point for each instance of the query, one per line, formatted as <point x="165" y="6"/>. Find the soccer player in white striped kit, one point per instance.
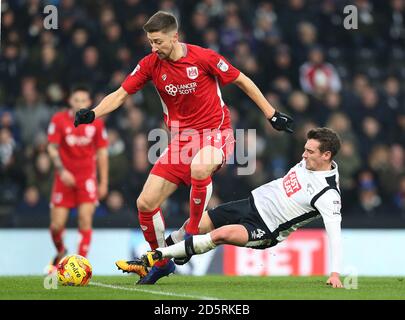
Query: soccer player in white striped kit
<point x="308" y="191"/>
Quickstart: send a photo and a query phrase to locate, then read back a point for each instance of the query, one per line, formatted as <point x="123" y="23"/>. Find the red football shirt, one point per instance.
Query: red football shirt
<point x="77" y="146"/>
<point x="188" y="88"/>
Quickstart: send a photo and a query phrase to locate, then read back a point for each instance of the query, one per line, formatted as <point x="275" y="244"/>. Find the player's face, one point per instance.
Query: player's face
<point x="314" y="158"/>
<point x="79" y="100"/>
<point x="162" y="43"/>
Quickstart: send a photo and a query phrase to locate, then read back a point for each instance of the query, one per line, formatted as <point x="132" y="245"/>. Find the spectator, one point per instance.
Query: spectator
<point x="211" y="39"/>
<point x="199" y="24"/>
<point x="115" y="203"/>
<point x="11" y="70"/>
<point x="49" y="69"/>
<point x="282" y="66"/>
<point x="349" y="164"/>
<point x="90" y="72"/>
<point x="40" y="175"/>
<point x="75" y="48"/>
<point x="379" y="162"/>
<point x="32" y="115"/>
<point x="341" y="123"/>
<point x="298" y="103"/>
<point x="12" y="179"/>
<point x="118" y="160"/>
<point x="307" y="39"/>
<point x="317" y="76"/>
<point x="370" y="203"/>
<point x="33" y="204"/>
<point x="371" y="134"/>
<point x="399" y="197"/>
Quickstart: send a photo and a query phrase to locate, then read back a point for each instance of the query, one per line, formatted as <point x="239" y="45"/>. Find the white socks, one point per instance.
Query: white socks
<point x="194" y="245"/>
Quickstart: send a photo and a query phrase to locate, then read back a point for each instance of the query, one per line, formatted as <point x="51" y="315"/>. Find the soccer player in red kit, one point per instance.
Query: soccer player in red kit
<point x="76" y="153"/>
<point x="187" y="79"/>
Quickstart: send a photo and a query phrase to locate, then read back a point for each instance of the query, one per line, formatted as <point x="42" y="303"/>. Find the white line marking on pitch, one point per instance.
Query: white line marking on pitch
<point x="99" y="284"/>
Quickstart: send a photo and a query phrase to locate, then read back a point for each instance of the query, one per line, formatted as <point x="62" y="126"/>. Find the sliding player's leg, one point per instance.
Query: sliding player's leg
<point x="232" y="234"/>
<point x="204" y="227"/>
<point x="236" y="223"/>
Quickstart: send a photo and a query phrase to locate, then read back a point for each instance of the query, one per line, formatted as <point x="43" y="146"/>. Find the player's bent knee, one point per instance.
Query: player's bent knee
<point x="85" y="223"/>
<point x="56" y="227"/>
<point x="145" y="205"/>
<point x="200" y="171"/>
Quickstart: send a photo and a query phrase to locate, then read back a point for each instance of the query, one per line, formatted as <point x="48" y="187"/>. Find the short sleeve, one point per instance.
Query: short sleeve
<point x="329" y="206"/>
<point x="138" y="77"/>
<point x="101" y="137"/>
<point x="54" y="132"/>
<point x="219" y="67"/>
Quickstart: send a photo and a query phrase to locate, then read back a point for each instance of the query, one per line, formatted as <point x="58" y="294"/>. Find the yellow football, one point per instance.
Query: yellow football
<point x="74" y="270"/>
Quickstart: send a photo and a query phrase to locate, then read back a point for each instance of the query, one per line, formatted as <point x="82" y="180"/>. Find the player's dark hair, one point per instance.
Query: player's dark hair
<point x="161" y="21"/>
<point x="328" y="139"/>
<point x="80" y="87"/>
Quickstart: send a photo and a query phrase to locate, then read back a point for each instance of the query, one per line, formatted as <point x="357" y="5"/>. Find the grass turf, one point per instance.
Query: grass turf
<point x="204" y="287"/>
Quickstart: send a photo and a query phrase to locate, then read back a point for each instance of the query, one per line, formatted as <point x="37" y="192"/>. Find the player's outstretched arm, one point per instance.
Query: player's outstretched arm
<point x="278" y="120"/>
<point x="333" y="230"/>
<point x="107" y="105"/>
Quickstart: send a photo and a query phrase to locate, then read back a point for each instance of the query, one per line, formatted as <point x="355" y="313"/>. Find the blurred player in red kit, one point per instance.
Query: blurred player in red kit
<point x="187" y="79"/>
<point x="76" y="154"/>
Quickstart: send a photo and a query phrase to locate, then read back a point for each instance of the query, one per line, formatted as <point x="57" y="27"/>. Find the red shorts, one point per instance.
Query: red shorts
<point x="84" y="191"/>
<point x="174" y="164"/>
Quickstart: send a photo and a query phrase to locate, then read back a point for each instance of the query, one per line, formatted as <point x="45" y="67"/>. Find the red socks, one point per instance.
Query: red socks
<point x="84" y="243"/>
<point x="153" y="228"/>
<point x="200" y="194"/>
<point x="57" y="238"/>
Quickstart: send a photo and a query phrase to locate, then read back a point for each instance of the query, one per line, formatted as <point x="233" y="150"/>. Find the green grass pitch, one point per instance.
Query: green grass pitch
<point x="204" y="287"/>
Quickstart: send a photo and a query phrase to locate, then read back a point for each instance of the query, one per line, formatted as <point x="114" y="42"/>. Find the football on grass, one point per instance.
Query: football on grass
<point x="74" y="270"/>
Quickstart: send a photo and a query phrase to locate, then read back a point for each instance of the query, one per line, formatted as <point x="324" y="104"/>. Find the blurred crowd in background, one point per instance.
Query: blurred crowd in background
<point x="296" y="51"/>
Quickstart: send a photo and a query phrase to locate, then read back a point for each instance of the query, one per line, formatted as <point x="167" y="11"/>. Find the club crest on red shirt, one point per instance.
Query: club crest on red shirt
<point x="192" y="72"/>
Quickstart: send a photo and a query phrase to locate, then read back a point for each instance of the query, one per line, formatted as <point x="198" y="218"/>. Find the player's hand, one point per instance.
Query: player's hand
<point x="102" y="191"/>
<point x="67" y="178"/>
<point x="281" y="122"/>
<point x="84" y="116"/>
<point x="334" y="281"/>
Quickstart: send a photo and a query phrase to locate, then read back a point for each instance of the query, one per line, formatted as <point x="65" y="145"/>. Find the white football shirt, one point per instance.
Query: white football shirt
<point x="301" y="196"/>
